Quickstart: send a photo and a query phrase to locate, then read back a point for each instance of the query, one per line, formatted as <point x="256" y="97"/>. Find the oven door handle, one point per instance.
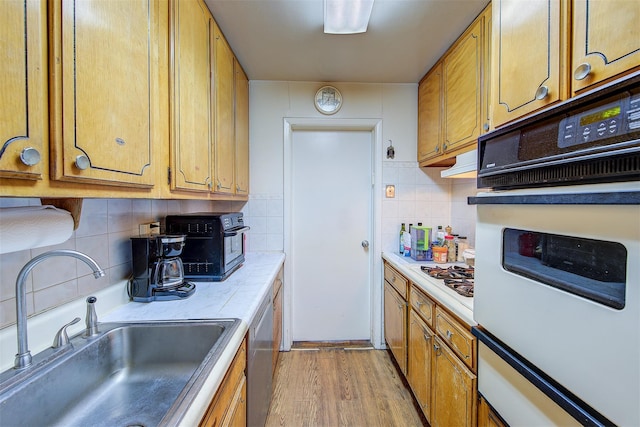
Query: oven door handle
<point x="236" y="231"/>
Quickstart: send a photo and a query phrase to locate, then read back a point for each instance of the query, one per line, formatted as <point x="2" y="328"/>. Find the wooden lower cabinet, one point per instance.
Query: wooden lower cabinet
<point x="454" y="389"/>
<point x="420" y="362"/>
<point x="487" y="417"/>
<point x="229" y="405"/>
<point x="278" y="292"/>
<point x="395" y="325"/>
<point x="436" y="353"/>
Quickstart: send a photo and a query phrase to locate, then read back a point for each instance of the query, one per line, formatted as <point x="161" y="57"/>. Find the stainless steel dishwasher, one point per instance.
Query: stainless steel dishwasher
<point x="259" y="363"/>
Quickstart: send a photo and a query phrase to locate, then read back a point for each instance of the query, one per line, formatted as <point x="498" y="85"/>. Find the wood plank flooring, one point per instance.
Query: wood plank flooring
<point x="340" y="387"/>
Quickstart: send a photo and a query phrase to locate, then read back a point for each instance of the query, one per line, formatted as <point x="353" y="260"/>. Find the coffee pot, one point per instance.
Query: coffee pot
<point x="158" y="272"/>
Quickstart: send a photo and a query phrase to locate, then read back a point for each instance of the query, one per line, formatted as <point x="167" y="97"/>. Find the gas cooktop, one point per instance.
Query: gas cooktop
<point x="458" y="278"/>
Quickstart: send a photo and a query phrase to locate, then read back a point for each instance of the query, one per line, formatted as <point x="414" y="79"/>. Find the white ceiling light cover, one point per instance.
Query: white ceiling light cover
<point x="347" y="16"/>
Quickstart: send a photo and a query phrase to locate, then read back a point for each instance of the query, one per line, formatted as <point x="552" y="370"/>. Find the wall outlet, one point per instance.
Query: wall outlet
<point x="149" y="228"/>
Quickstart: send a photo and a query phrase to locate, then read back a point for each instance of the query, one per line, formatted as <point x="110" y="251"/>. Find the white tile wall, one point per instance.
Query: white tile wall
<point x="104" y="232"/>
<point x="264" y="213"/>
<point x="421" y="196"/>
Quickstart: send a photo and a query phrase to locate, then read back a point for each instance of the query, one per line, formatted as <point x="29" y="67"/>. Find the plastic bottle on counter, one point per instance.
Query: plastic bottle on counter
<point x="462" y="245"/>
<point x="407" y="242"/>
<point x="402" y="231"/>
<point x="451" y="248"/>
<point x="439" y="236"/>
<point x="448" y="230"/>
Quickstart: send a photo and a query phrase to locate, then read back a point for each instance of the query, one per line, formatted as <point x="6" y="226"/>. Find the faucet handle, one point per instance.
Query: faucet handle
<point x="62" y="338"/>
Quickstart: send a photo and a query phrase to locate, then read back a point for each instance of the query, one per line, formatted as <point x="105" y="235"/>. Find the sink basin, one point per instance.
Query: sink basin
<point x="132" y="374"/>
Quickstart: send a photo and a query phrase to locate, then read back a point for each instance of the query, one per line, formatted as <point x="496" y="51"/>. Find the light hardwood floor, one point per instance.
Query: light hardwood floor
<point x="330" y="387"/>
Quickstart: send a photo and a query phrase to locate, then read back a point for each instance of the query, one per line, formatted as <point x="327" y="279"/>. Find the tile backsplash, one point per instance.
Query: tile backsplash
<point x="421" y="195"/>
<point x="103" y="233"/>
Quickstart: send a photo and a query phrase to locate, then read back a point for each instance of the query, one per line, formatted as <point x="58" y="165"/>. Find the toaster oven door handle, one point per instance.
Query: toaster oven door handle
<point x="236" y="231"/>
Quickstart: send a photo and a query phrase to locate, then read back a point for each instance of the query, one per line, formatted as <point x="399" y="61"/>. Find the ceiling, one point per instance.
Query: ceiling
<point x="284" y="39"/>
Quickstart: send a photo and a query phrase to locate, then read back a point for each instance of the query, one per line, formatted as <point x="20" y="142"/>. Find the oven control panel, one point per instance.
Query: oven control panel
<point x="602" y="122"/>
<point x="592" y="138"/>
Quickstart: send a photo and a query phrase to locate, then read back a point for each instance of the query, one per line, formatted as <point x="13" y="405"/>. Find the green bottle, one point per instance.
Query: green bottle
<point x="402" y="231"/>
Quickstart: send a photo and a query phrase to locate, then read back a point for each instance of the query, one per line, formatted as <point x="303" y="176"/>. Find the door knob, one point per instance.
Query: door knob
<point x="365" y="243"/>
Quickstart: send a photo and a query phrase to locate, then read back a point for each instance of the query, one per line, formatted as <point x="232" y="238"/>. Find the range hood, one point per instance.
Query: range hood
<point x="465" y="166"/>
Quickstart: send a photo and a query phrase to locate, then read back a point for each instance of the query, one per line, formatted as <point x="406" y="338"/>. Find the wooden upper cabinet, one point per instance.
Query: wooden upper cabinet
<point x="462" y="87"/>
<point x="430" y="114"/>
<point x="23" y="111"/>
<point x="528" y="51"/>
<point x="224" y="146"/>
<point x="242" y="130"/>
<point x="606" y="40"/>
<point x="452" y="98"/>
<point x="191" y="100"/>
<point x="106" y="90"/>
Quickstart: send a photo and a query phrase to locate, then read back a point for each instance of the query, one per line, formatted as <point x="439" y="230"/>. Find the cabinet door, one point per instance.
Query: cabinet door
<point x="224" y="163"/>
<point x="487" y="125"/>
<point x="237" y="414"/>
<point x="420" y="360"/>
<point x="395" y="325"/>
<point x="462" y="86"/>
<point x="606" y="40"/>
<point x="191" y="96"/>
<point x="242" y="130"/>
<point x="454" y="389"/>
<point x="106" y="90"/>
<point x="487" y="417"/>
<point x="430" y="115"/>
<point x="528" y="51"/>
<point x="23" y="131"/>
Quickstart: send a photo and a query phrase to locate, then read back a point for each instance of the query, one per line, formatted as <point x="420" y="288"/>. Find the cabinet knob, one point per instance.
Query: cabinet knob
<point x="82" y="162"/>
<point x="365" y="244"/>
<point x="486" y="126"/>
<point x="437" y="149"/>
<point x="218" y="185"/>
<point x="582" y="71"/>
<point x="542" y="92"/>
<point x="449" y="334"/>
<point x="30" y="156"/>
<point x="427" y="337"/>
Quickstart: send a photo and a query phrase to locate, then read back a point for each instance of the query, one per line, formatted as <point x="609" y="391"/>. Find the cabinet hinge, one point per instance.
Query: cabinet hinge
<point x="169" y="175"/>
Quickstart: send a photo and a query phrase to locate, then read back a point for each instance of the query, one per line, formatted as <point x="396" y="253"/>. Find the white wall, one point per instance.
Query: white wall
<point x="421" y="195"/>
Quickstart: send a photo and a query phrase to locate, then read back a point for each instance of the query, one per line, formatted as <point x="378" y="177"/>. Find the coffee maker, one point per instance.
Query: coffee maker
<point x="158" y="273"/>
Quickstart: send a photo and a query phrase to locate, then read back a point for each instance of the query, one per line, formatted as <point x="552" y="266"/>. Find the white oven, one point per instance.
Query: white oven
<point x="557" y="288"/>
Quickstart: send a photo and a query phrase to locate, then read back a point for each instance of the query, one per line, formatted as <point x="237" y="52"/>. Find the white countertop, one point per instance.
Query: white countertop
<point x="239" y="296"/>
<point x="458" y="304"/>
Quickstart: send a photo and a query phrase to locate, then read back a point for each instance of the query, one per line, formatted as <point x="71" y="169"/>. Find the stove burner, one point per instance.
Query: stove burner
<point x="462" y="286"/>
<point x="458" y="278"/>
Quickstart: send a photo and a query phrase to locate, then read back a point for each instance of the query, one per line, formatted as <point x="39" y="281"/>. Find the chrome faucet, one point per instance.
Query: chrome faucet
<point x="91" y="321"/>
<point x="23" y="358"/>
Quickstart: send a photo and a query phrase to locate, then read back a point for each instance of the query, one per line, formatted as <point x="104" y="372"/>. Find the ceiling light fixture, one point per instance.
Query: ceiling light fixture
<point x="347" y="16"/>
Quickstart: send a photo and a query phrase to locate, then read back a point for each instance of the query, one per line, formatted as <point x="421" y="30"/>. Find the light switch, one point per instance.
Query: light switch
<point x="390" y="191"/>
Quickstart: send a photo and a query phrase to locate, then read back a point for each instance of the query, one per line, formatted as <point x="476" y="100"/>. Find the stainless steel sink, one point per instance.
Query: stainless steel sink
<point x="132" y="374"/>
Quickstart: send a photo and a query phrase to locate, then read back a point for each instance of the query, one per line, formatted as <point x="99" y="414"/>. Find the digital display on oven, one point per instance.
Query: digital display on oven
<point x="600" y="115"/>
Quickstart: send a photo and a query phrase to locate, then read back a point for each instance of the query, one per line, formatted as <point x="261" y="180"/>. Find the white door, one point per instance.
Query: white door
<point x="331" y="214"/>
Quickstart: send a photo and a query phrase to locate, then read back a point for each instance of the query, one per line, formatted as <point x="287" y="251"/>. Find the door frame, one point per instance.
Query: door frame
<point x="375" y="260"/>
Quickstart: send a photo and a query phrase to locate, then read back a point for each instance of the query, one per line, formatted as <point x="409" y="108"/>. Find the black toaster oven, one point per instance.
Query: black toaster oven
<point x="215" y="244"/>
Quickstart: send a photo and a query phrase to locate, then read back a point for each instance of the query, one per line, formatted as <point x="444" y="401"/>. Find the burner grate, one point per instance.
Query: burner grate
<point x="458" y="278"/>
